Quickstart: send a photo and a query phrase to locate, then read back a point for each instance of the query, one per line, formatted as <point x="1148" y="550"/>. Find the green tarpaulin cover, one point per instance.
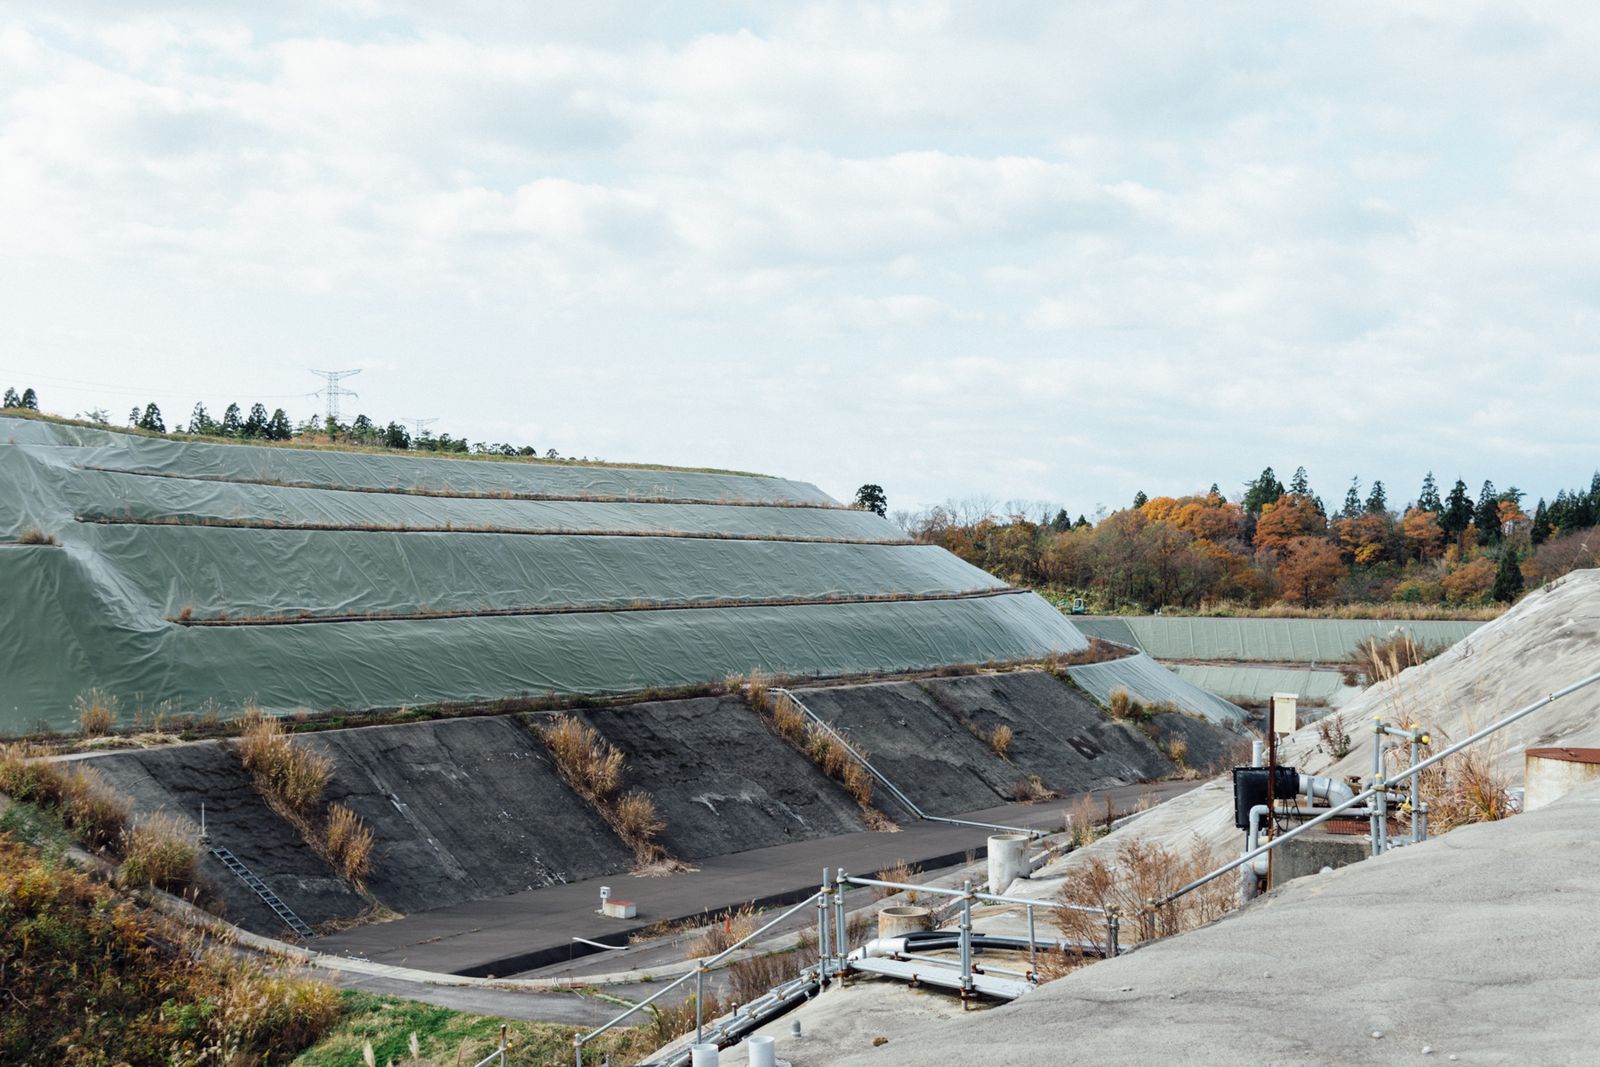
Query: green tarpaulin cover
<point x="191" y="572"/>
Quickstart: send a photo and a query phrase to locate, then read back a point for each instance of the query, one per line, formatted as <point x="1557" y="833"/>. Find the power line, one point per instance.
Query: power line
<point x="333" y="391"/>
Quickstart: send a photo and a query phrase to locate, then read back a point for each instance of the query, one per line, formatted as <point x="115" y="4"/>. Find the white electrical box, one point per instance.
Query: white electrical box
<point x="1285" y="720"/>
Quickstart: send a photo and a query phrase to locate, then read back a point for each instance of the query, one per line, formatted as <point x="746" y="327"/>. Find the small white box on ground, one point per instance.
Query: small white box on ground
<point x="619" y="909"/>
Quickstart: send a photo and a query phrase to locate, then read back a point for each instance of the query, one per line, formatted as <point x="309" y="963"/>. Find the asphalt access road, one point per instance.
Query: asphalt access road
<point x="535" y="928"/>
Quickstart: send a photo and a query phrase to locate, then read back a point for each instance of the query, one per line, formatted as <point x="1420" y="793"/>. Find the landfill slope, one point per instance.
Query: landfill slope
<point x="464" y="809"/>
<point x="177" y="781"/>
<point x="934" y="738"/>
<point x="187" y="574"/>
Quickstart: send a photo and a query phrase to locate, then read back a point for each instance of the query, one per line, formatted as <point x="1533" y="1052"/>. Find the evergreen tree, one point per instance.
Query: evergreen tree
<point x="201" y="422"/>
<point x="396" y="436"/>
<point x="256" y="424"/>
<point x="232" y="423"/>
<point x="1507" y="577"/>
<point x="871" y="498"/>
<point x="133" y="415"/>
<point x="1266" y="489"/>
<point x="1378" y="499"/>
<point x="1457" y="514"/>
<point x="1214" y="495"/>
<point x="1082" y="523"/>
<point x="278" y="428"/>
<point x="363" y="430"/>
<point x="1352" y="499"/>
<point x="1062" y="522"/>
<point x="151" y="419"/>
<point x="1486" y="517"/>
<point x="1541" y="524"/>
<point x="1428" y="499"/>
<point x="12" y="400"/>
<point x="30" y="399"/>
<point x="1300" y="484"/>
<point x="1139" y="499"/>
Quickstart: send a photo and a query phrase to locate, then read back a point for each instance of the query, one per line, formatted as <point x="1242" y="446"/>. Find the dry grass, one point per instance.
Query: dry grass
<point x="1052" y="963"/>
<point x="1145" y="870"/>
<point x="1381" y="661"/>
<point x="97" y="712"/>
<point x="1385" y="610"/>
<point x="750" y="978"/>
<point x="825" y="749"/>
<point x="292" y="775"/>
<point x="1124" y="708"/>
<point x="92" y="809"/>
<point x="637" y="822"/>
<point x="1031" y="790"/>
<point x="789" y="721"/>
<point x="1178" y="752"/>
<point x="669" y="1023"/>
<point x="1099" y="651"/>
<point x="899" y="871"/>
<point x="1466" y="788"/>
<point x="159" y="850"/>
<point x="349" y="842"/>
<point x="589" y="763"/>
<point x="1000" y="739"/>
<point x="1083" y="822"/>
<point x="593" y="767"/>
<point x="727" y="929"/>
<point x="35" y="536"/>
<point x="1336" y="740"/>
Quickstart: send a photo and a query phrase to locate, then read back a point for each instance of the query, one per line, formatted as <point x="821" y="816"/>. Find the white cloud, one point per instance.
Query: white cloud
<point x="1028" y="250"/>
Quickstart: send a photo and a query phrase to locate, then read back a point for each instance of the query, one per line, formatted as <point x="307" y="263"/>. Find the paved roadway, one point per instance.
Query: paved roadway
<point x="507" y="935"/>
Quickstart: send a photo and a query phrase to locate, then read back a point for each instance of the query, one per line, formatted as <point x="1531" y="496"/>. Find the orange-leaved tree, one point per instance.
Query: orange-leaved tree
<point x="1310" y="570"/>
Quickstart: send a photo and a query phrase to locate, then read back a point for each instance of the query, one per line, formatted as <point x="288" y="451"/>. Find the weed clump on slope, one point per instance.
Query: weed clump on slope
<point x="818" y="744"/>
<point x="159" y="850"/>
<point x="1146" y="870"/>
<point x="593" y="767"/>
<point x="97" y="712"/>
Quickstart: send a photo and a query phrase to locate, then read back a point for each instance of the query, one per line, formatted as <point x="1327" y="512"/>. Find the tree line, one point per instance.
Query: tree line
<point x="260" y="425"/>
<point x="1280" y="543"/>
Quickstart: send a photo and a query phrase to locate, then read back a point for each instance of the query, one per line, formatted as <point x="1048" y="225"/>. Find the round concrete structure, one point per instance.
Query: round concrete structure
<point x="903" y="919"/>
<point x="1551" y="773"/>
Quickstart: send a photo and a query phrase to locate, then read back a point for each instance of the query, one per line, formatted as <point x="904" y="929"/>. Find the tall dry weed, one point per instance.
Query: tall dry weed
<point x="97" y="712"/>
<point x="159" y="850"/>
<point x="291" y="774"/>
<point x="1142" y="871"/>
<point x="589" y="763"/>
<point x="349" y="842"/>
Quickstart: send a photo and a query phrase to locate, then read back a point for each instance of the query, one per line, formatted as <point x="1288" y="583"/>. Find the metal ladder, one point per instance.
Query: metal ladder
<point x="262" y="890"/>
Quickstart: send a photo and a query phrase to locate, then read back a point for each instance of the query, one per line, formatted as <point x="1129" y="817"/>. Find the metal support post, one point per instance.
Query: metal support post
<point x="1379" y="814"/>
<point x="1113" y="928"/>
<point x="822" y="929"/>
<point x="1416" y="792"/>
<point x="1033" y="970"/>
<point x="966" y="940"/>
<point x="699" y="1004"/>
<point x="841" y="940"/>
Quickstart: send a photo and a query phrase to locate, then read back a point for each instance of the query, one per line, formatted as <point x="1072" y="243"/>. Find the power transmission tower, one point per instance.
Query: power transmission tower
<point x="333" y="390"/>
<point x="420" y="425"/>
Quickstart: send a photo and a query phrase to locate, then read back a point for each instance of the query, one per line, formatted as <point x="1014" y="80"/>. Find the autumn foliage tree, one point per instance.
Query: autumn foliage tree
<point x="1310" y="570"/>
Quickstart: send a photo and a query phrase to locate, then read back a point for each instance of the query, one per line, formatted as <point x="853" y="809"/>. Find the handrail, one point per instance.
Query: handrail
<point x="1382" y="785"/>
<point x="910" y="805"/>
<point x="991" y="898"/>
<point x="700" y="969"/>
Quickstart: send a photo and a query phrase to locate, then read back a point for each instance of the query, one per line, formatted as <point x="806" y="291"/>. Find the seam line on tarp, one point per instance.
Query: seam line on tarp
<point x="595" y="609"/>
<point x="453" y="494"/>
<point x="482" y="528"/>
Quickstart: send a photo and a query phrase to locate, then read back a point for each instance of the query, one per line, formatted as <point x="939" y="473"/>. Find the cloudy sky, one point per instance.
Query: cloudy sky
<point x="1027" y="251"/>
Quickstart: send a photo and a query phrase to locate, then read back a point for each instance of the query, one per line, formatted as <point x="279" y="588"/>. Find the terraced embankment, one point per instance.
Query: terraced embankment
<point x="474" y="809"/>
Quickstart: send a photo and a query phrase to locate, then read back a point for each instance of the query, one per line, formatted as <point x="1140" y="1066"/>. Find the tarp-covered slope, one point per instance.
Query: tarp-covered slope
<point x="189" y="573"/>
<point x="1264" y="640"/>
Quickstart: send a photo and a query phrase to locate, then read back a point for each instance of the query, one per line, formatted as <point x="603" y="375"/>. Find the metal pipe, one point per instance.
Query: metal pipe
<point x="910" y="805"/>
<point x="1368" y="794"/>
<point x="841" y="940"/>
<point x="1379" y="815"/>
<point x="822" y="926"/>
<point x="1033" y="970"/>
<point x="987" y="898"/>
<point x="1416" y="792"/>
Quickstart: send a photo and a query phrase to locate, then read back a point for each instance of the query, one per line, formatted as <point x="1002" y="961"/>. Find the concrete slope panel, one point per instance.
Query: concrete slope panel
<point x="722" y="780"/>
<point x="178" y="780"/>
<point x="464" y="809"/>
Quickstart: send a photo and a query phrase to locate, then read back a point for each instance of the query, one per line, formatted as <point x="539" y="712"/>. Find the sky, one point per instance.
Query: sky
<point x="1023" y="252"/>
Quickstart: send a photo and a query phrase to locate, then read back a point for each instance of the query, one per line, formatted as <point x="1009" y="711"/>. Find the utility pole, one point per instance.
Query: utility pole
<point x="333" y="390"/>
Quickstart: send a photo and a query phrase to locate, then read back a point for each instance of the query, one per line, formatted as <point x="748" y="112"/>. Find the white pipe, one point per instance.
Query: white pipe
<point x="883" y="947"/>
<point x="1006" y="861"/>
<point x="761" y="1051"/>
<point x="1334" y="791"/>
<point x="703" y="1055"/>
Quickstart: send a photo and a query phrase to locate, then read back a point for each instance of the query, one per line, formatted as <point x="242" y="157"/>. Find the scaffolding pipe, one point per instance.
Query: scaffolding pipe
<point x="1370" y="793"/>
